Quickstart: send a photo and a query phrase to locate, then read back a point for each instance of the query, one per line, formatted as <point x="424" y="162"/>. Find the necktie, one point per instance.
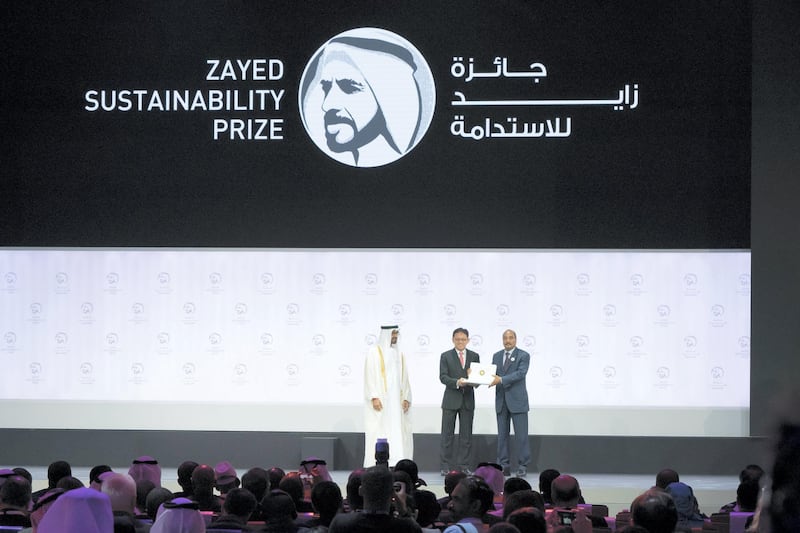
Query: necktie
<point x="507" y="362"/>
<point x="461" y="358"/>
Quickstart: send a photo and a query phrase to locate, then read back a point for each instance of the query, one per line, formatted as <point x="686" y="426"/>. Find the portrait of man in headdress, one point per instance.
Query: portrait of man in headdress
<point x="367" y="97"/>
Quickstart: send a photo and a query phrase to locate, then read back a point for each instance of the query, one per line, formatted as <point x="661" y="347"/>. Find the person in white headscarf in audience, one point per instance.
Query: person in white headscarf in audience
<point x="145" y="467"/>
<point x="41" y="507"/>
<point x="81" y="510"/>
<point x="180" y="515"/>
<point x="316" y="467"/>
<point x="492" y="473"/>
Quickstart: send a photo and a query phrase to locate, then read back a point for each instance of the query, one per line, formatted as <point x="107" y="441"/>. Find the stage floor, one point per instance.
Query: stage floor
<point x="617" y="491"/>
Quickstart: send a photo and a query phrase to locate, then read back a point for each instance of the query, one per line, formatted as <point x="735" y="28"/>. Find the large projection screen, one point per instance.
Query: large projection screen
<point x="222" y="204"/>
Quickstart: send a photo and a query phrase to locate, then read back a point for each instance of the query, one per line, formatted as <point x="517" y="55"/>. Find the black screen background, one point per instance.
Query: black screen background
<point x="673" y="173"/>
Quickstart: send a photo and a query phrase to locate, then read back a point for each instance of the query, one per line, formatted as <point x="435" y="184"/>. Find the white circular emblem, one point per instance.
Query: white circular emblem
<point x="367" y="97"/>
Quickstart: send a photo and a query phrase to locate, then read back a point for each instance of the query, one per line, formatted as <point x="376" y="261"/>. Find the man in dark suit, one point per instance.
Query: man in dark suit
<point x="511" y="402"/>
<point x="458" y="401"/>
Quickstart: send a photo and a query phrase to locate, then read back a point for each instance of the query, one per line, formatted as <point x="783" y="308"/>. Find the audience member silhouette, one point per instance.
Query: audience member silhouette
<point x="185" y="470"/>
<point x="225" y="478"/>
<point x="407" y="489"/>
<point x="521" y="499"/>
<point x="747" y="494"/>
<point x="354" y="501"/>
<point x="315" y="467"/>
<point x="203" y="489"/>
<point x="513" y="484"/>
<point x="41" y="507"/>
<point x="275" y="476"/>
<point x="528" y="520"/>
<point x="94" y="475"/>
<point x="749" y="476"/>
<point x="145" y="467"/>
<point x="82" y="510"/>
<point x="632" y="529"/>
<point x="55" y="471"/>
<point x="504" y="527"/>
<point x="292" y="484"/>
<point x="237" y="509"/>
<point x="121" y="491"/>
<point x="450" y="481"/>
<point x="411" y="468"/>
<point x="665" y="477"/>
<point x="143" y="488"/>
<point x="784" y="503"/>
<point x="180" y="515"/>
<point x="155" y="498"/>
<point x="256" y="480"/>
<point x="428" y="509"/>
<point x="5" y="473"/>
<point x="377" y="490"/>
<point x="279" y="512"/>
<point x="546" y="478"/>
<point x="326" y="498"/>
<point x="686" y="504"/>
<point x="69" y="483"/>
<point x="751" y="473"/>
<point x="492" y="474"/>
<point x="655" y="511"/>
<point x="24" y="473"/>
<point x="566" y="494"/>
<point x="15" y="500"/>
<point x="470" y="501"/>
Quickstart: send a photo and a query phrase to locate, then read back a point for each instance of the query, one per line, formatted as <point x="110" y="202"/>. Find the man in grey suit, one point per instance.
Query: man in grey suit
<point x="511" y="402"/>
<point x="458" y="401"/>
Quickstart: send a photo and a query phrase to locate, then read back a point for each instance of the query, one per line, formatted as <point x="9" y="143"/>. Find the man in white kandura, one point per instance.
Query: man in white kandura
<point x="387" y="395"/>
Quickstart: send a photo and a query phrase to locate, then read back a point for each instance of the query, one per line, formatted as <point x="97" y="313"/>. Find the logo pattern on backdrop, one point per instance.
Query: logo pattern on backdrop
<point x="315" y="326"/>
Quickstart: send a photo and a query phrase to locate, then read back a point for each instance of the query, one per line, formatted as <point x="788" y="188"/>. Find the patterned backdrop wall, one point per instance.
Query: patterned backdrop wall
<point x="622" y="342"/>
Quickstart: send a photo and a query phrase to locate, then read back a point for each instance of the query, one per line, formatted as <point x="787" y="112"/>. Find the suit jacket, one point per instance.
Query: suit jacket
<point x="513" y="389"/>
<point x="449" y="372"/>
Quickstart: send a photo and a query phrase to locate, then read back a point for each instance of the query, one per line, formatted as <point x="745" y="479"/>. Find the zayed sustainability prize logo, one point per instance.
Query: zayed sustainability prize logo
<point x="367" y="97"/>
